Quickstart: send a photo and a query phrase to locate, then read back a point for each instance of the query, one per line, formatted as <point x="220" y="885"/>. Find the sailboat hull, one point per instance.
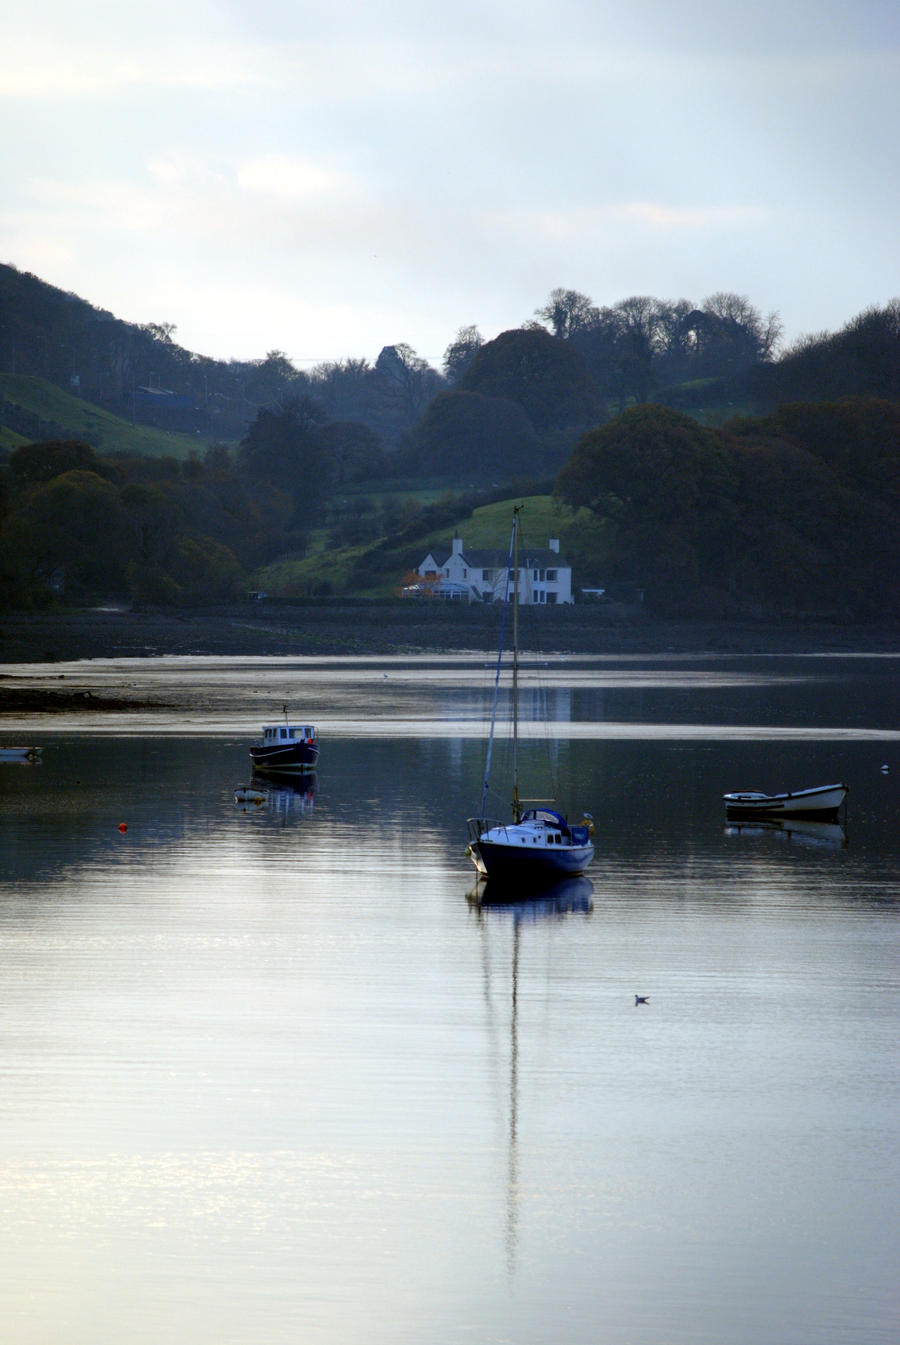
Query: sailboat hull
<point x="540" y="847"/>
<point x="514" y="863"/>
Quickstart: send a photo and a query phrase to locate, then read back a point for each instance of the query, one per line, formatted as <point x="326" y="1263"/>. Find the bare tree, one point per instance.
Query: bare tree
<point x="568" y="312"/>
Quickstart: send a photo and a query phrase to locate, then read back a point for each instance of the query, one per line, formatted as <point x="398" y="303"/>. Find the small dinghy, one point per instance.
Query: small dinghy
<point x="20" y="754"/>
<point x="822" y="803"/>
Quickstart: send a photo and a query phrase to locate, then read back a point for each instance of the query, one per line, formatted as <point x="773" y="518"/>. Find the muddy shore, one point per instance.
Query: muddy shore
<point x="354" y="630"/>
<point x="368" y="628"/>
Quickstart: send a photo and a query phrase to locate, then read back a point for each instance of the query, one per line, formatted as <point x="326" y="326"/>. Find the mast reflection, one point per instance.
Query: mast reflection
<point x="494" y="907"/>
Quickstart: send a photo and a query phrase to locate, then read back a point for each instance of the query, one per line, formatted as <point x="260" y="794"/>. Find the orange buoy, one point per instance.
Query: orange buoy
<point x="123" y="826"/>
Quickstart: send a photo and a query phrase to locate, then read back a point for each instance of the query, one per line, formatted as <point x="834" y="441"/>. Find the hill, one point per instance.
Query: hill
<point x="32" y="409"/>
<point x="377" y="570"/>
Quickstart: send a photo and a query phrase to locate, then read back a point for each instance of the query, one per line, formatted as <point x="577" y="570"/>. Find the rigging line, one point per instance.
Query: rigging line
<point x="490" y="746"/>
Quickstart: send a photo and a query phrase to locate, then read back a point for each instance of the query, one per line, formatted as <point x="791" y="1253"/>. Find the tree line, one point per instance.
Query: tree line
<point x="795" y="513"/>
<point x="691" y="355"/>
<point x="601" y="404"/>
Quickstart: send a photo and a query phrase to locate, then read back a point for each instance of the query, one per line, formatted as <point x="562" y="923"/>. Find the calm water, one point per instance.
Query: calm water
<point x="274" y="1076"/>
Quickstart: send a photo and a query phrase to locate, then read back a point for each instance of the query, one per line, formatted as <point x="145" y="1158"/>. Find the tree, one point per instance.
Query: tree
<point x="285" y="449"/>
<point x="31" y="464"/>
<point x="861" y="360"/>
<point x="160" y="331"/>
<point x="73" y="529"/>
<point x="271" y="380"/>
<point x="345" y="388"/>
<point x="545" y="375"/>
<point x="568" y="313"/>
<point x="352" y="452"/>
<point x="667" y="487"/>
<point x="406" y="380"/>
<point x="461" y="352"/>
<point x="467" y="432"/>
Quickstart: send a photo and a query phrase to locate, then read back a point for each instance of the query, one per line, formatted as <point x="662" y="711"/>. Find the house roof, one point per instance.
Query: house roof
<point x="493" y="558"/>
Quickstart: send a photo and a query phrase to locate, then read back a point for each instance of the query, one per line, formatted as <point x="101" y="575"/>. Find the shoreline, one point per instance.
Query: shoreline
<point x="342" y="629"/>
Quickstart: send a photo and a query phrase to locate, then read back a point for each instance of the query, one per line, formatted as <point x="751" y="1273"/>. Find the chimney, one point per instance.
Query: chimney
<point x="457" y="546"/>
<point x="554" y="544"/>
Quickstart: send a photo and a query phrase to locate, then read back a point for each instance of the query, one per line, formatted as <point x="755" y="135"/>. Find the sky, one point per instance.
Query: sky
<point x="327" y="179"/>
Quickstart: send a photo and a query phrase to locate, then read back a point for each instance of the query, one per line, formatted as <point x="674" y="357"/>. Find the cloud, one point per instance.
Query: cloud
<point x="580" y="222"/>
<point x="292" y="176"/>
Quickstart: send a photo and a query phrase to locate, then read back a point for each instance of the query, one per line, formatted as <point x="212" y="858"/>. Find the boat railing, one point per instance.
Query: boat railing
<point x="477" y="826"/>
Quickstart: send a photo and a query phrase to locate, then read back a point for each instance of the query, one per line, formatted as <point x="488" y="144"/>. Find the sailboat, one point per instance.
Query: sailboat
<point x="539" y="845"/>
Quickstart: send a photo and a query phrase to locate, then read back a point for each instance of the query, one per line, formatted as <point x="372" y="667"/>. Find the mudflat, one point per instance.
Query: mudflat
<point x="337" y="628"/>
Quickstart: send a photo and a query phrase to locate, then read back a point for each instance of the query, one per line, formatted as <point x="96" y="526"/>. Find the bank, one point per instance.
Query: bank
<point x="368" y="628"/>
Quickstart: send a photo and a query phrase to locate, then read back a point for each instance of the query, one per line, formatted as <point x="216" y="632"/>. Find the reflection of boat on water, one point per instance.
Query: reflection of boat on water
<point x="283" y="798"/>
<point x="799" y="830"/>
<point x="820" y="804"/>
<point x="570" y="896"/>
<point x="564" y="897"/>
<point x="286" y="749"/>
<point x="539" y="845"/>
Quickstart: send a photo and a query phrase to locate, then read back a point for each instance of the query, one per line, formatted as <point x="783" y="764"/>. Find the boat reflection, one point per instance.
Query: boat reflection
<point x="535" y="903"/>
<point x="793" y="831"/>
<point x="566" y="897"/>
<point x="287" y="798"/>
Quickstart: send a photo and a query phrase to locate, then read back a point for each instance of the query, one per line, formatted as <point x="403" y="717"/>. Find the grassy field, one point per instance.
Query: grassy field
<point x="79" y="419"/>
<point x="378" y="572"/>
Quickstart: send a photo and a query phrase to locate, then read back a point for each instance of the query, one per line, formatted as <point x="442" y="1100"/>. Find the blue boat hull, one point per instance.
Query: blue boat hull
<point x="290" y="757"/>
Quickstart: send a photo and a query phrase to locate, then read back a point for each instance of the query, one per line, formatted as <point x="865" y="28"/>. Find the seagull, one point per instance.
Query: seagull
<point x="641" y="999"/>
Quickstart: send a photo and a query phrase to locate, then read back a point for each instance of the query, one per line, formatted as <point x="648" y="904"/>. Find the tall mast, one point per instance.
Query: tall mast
<point x="517" y="812"/>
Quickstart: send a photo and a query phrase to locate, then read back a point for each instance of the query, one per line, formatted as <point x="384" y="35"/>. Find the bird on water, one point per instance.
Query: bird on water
<point x="641" y="999"/>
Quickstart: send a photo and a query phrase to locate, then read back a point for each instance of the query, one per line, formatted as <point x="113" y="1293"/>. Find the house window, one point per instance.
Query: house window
<point x="551" y="576"/>
<point x="465" y="574"/>
<point x="486" y="575"/>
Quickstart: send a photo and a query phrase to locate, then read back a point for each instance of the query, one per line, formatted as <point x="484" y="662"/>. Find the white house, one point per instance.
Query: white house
<point x="480" y="575"/>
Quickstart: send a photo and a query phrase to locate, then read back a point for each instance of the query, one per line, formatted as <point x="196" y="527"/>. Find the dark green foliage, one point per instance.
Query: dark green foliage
<point x="749" y="512"/>
<point x="544" y="375"/>
<point x="477" y="436"/>
<point x="72" y="531"/>
<point x="461" y="352"/>
<point x="858" y="437"/>
<point x="286" y="449"/>
<point x="353" y="453"/>
<point x="861" y="360"/>
<point x="32" y="464"/>
<point x="666" y="484"/>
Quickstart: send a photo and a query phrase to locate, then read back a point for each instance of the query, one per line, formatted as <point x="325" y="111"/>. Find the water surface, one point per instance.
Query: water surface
<point x="277" y="1074"/>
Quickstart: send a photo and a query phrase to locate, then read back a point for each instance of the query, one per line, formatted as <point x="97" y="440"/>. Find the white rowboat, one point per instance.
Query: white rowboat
<point x="822" y="802"/>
